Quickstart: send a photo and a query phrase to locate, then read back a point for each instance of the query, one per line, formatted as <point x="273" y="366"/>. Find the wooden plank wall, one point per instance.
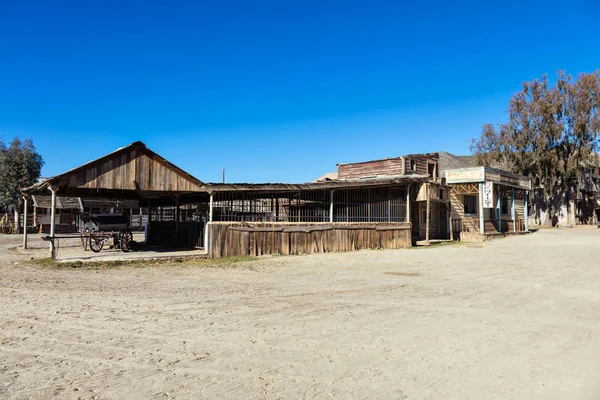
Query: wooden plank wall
<point x="229" y="239"/>
<point x="123" y="171"/>
<point x="390" y="166"/>
<point x="422" y="160"/>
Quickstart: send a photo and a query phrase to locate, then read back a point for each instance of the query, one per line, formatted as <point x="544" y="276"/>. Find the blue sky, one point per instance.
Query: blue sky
<point x="275" y="90"/>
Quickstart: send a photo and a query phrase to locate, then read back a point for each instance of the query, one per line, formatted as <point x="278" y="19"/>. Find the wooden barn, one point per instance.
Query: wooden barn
<point x="137" y="175"/>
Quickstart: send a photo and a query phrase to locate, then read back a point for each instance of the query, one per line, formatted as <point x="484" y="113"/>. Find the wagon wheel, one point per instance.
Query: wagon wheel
<point x="85" y="241"/>
<point x="96" y="244"/>
<point x="126" y="238"/>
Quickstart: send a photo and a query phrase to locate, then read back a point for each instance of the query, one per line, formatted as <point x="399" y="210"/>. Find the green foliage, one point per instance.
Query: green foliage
<point x="20" y="166"/>
<point x="551" y="134"/>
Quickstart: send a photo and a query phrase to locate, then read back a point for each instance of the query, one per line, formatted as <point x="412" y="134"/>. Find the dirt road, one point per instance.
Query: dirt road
<point x="517" y="318"/>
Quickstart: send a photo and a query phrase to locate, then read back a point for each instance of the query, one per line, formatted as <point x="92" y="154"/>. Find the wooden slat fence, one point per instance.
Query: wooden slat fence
<point x="228" y="239"/>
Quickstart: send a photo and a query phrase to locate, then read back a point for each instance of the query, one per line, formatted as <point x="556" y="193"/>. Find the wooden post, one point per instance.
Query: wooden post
<point x="25" y="222"/>
<point x="207" y="239"/>
<point x="331" y="206"/>
<point x="498" y="209"/>
<point x="512" y="209"/>
<point x="407" y="202"/>
<point x="52" y="217"/>
<point x="481" y="220"/>
<point x="450" y="228"/>
<point x="428" y="211"/>
<point x="176" y="220"/>
<point x="35" y="215"/>
<point x="526" y="212"/>
<point x="148" y="224"/>
<point x="210" y="208"/>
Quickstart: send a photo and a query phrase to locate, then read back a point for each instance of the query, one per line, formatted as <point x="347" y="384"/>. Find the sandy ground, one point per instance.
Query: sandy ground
<point x="517" y="318"/>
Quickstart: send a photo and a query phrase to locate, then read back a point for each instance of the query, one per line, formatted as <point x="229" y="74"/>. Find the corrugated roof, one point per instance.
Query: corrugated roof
<point x="343" y="184"/>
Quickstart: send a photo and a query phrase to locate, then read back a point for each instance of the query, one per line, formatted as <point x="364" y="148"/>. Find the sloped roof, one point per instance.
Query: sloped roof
<point x="450" y="161"/>
<point x="80" y="176"/>
<point x="330" y="176"/>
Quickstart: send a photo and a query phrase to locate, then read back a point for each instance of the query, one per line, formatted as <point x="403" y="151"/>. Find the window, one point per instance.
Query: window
<point x="504" y="205"/>
<point x="441" y="194"/>
<point x="413" y="165"/>
<point x="470" y="203"/>
<point x="431" y="170"/>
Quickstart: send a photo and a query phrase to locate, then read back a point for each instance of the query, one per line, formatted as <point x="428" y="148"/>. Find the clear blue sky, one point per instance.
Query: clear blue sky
<point x="275" y="90"/>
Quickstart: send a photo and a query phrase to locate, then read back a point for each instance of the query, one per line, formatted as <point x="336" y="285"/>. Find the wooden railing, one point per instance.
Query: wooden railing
<point x="491" y="226"/>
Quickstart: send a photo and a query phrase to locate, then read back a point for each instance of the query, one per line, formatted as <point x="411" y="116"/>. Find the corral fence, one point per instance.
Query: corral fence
<point x="228" y="239"/>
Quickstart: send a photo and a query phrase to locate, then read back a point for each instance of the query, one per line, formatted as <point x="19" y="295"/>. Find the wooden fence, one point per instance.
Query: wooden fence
<point x="227" y="239"/>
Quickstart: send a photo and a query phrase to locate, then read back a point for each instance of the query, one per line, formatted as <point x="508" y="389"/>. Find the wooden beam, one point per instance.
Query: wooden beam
<point x="449" y="213"/>
<point x="481" y="220"/>
<point x="331" y="206"/>
<point x="498" y="210"/>
<point x="210" y="208"/>
<point x="512" y="209"/>
<point x="25" y="222"/>
<point x="52" y="218"/>
<point x="526" y="212"/>
<point x="428" y="211"/>
<point x="177" y="210"/>
<point x="408" y="203"/>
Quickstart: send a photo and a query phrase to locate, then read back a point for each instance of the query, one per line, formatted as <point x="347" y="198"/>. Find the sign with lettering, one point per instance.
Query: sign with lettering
<point x="488" y="195"/>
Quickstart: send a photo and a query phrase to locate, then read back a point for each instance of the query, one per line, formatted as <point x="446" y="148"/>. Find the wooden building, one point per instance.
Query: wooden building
<point x="390" y="203"/>
<point x="133" y="173"/>
<point x="487" y="201"/>
<point x="239" y="219"/>
<point x="428" y="199"/>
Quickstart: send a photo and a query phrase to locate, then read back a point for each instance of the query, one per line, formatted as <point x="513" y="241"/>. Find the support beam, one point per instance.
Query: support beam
<point x="428" y="211"/>
<point x="52" y="217"/>
<point x="210" y="208"/>
<point x="25" y="221"/>
<point x="498" y="209"/>
<point x="331" y="206"/>
<point x="512" y="209"/>
<point x="177" y="210"/>
<point x="526" y="212"/>
<point x="35" y="216"/>
<point x="480" y="210"/>
<point x="449" y="214"/>
<point x="407" y="200"/>
<point x="207" y="238"/>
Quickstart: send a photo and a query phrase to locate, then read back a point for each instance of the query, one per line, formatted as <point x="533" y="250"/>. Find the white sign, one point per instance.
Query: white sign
<point x="488" y="195"/>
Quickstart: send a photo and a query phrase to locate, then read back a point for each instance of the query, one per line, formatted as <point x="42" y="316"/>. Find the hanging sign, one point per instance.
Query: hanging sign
<point x="488" y="195"/>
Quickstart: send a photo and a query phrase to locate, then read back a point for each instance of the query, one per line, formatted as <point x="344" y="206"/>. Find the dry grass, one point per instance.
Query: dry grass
<point x="229" y="262"/>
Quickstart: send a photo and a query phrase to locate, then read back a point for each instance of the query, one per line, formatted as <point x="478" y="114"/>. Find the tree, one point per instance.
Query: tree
<point x="20" y="166"/>
<point x="552" y="131"/>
